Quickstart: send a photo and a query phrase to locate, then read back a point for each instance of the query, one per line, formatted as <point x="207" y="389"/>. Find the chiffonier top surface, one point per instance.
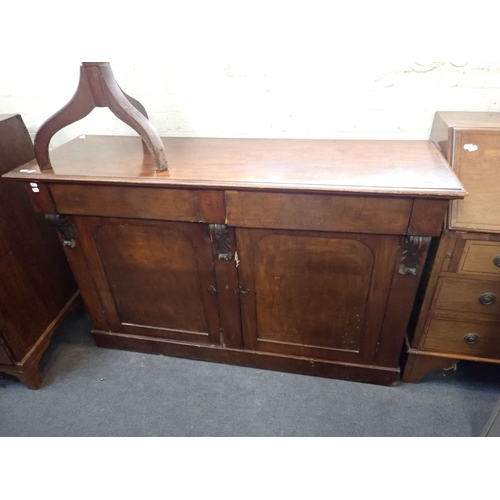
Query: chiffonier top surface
<point x="396" y="168"/>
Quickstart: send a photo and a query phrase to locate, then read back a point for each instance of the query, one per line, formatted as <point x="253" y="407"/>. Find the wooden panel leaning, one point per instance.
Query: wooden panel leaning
<point x="36" y="285"/>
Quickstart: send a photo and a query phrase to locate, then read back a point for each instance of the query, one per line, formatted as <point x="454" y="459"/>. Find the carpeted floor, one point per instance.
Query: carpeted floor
<point x="89" y="391"/>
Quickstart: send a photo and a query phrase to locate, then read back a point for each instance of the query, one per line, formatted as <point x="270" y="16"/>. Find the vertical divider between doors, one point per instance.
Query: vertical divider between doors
<point x="226" y="276"/>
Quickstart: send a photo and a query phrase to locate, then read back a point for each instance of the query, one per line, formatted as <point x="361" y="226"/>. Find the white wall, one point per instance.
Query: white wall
<point x="242" y="99"/>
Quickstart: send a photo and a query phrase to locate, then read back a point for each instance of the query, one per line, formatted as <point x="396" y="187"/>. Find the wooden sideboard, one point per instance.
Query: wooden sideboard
<point x="459" y="317"/>
<point x="293" y="255"/>
<point x="36" y="285"/>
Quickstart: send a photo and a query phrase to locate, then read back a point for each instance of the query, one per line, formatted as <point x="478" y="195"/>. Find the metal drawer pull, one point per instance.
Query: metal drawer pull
<point x="496" y="261"/>
<point x="471" y="338"/>
<point x="487" y="299"/>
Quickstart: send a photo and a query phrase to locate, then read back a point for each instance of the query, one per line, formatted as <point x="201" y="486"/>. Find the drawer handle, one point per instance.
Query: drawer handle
<point x="487" y="299"/>
<point x="496" y="261"/>
<point x="471" y="338"/>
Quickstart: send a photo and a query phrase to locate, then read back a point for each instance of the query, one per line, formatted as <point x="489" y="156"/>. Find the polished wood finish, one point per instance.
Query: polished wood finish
<point x="460" y="311"/>
<point x="98" y="88"/>
<point x="479" y="257"/>
<point x="468" y="296"/>
<point x="427" y="217"/>
<point x="446" y="335"/>
<point x="304" y="287"/>
<point x="396" y="169"/>
<point x="36" y="285"/>
<point x="153" y="278"/>
<point x="188" y="205"/>
<point x="339" y="213"/>
<point x="297" y="255"/>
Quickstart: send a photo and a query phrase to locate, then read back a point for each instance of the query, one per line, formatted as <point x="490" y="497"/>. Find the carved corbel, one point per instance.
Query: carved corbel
<point x="63" y="226"/>
<point x="415" y="247"/>
<point x="221" y="243"/>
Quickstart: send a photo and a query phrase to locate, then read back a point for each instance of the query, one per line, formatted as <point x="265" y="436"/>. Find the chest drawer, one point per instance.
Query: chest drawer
<point x="481" y="257"/>
<point x="468" y="296"/>
<point x="187" y="205"/>
<point x="360" y="214"/>
<point x="480" y="339"/>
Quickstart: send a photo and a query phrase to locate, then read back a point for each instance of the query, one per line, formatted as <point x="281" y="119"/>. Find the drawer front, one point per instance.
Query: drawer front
<point x="480" y="339"/>
<point x="481" y="257"/>
<point x="468" y="296"/>
<point x="318" y="212"/>
<point x="477" y="157"/>
<point x="187" y="205"/>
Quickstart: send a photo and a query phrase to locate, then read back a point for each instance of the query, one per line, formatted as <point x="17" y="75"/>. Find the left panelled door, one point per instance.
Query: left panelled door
<point x="154" y="278"/>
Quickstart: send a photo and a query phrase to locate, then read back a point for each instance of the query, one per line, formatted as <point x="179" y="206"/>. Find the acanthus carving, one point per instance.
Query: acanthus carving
<point x="415" y="247"/>
<point x="66" y="230"/>
<point x="219" y="235"/>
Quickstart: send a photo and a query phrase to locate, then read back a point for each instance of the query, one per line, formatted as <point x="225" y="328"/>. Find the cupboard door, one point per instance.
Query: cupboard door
<point x="153" y="278"/>
<point x="314" y="294"/>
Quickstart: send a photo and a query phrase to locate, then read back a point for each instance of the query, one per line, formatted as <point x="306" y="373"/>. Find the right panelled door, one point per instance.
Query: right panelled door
<point x="314" y="294"/>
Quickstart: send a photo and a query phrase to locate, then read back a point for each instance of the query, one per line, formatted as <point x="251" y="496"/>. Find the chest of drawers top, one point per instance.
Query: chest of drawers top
<point x="470" y="141"/>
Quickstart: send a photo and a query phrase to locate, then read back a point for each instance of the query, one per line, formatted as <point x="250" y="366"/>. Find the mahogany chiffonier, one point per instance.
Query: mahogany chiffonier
<point x="36" y="285"/>
<point x="460" y="314"/>
<point x="293" y="255"/>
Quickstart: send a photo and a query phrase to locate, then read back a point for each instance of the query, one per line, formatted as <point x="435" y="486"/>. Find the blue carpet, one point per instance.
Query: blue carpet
<point x="90" y="391"/>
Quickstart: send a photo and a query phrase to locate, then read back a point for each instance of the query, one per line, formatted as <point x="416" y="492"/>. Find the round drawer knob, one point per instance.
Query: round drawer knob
<point x="487" y="299"/>
<point x="496" y="261"/>
<point x="471" y="338"/>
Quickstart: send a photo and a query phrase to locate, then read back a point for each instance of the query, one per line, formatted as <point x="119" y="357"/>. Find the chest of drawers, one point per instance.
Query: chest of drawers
<point x="293" y="255"/>
<point x="460" y="314"/>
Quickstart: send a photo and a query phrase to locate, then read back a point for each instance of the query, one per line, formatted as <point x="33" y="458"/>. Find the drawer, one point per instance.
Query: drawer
<point x="481" y="257"/>
<point x="468" y="296"/>
<point x="480" y="339"/>
<point x="187" y="205"/>
<point x="318" y="212"/>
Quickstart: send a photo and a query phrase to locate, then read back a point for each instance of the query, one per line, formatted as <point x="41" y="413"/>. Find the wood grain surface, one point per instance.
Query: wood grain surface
<point x="397" y="168"/>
